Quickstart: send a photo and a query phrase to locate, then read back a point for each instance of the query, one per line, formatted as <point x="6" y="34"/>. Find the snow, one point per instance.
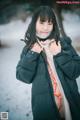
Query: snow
<point x="14" y="30"/>
<point x="15" y="96"/>
<point x="71" y="25"/>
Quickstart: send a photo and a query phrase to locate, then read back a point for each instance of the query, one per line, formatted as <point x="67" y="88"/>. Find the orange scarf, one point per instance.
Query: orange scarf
<point x="57" y="93"/>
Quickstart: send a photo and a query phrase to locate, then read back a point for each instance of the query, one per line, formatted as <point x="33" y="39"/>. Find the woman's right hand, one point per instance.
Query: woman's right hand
<point x="36" y="48"/>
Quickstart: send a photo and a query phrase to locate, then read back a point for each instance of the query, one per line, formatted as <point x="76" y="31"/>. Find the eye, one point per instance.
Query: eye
<point x="41" y="22"/>
<point x="50" y="23"/>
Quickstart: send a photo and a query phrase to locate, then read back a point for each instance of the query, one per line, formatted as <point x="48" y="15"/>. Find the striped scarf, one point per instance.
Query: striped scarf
<point x="60" y="99"/>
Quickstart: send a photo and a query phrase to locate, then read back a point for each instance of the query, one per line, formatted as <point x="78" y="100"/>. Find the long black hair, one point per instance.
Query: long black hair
<point x="45" y="13"/>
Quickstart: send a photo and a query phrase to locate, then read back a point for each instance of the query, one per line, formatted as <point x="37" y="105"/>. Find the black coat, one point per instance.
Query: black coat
<point x="32" y="68"/>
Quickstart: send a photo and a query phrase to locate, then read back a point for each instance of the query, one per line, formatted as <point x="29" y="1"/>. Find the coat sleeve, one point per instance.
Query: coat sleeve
<point x="69" y="61"/>
<point x="26" y="66"/>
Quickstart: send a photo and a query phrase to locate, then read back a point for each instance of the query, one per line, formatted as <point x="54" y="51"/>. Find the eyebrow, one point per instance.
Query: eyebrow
<point x="44" y="20"/>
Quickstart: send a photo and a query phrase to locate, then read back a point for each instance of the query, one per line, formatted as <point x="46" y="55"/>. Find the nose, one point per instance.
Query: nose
<point x="45" y="27"/>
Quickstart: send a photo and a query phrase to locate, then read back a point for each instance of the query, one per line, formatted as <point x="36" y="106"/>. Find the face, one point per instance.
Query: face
<point x="43" y="29"/>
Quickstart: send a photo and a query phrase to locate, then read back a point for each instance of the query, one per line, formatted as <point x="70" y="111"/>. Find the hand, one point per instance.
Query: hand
<point x="55" y="48"/>
<point x="50" y="46"/>
<point x="36" y="48"/>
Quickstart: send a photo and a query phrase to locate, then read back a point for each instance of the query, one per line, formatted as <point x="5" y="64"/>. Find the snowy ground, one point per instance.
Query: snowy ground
<point x="15" y="96"/>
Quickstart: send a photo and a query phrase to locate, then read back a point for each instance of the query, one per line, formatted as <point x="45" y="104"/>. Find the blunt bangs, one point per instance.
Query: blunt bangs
<point x="46" y="15"/>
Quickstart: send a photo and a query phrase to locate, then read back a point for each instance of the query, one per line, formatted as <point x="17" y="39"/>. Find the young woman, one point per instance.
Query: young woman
<point x="52" y="65"/>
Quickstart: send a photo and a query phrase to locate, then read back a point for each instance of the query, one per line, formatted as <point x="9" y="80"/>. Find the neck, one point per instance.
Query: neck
<point x="42" y="38"/>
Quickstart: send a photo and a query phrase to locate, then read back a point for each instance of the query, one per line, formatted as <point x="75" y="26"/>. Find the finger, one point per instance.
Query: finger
<point x="40" y="43"/>
<point x="52" y="41"/>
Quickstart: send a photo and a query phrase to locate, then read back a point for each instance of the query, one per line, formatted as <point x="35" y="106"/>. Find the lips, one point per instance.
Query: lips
<point x="45" y="32"/>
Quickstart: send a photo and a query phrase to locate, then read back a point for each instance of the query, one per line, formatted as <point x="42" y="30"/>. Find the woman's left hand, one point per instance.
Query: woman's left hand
<point x="50" y="45"/>
<point x="55" y="48"/>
